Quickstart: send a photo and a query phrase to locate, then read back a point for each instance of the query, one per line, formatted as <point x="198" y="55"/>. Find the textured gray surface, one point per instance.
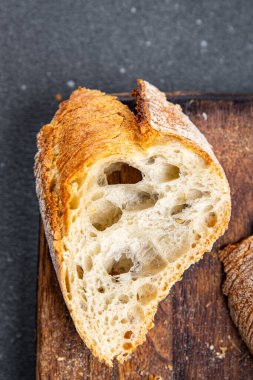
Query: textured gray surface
<point x="49" y="47"/>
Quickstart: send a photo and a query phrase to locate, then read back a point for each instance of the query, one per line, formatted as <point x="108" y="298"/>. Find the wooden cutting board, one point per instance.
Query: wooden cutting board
<point x="193" y="337"/>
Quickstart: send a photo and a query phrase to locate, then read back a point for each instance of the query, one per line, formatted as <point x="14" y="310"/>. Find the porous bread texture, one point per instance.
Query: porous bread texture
<point x="128" y="243"/>
<point x="238" y="286"/>
<point x="118" y="245"/>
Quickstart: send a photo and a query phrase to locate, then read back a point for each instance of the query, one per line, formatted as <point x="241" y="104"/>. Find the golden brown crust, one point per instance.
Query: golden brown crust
<point x="85" y="128"/>
<point x="91" y="126"/>
<point x="156" y="114"/>
<point x="238" y="286"/>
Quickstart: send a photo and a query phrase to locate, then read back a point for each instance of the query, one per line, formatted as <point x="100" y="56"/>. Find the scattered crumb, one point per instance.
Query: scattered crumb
<point x="169" y="366"/>
<point x="247" y="148"/>
<point x="60" y="358"/>
<point x="23" y="87"/>
<point x="70" y="83"/>
<point x="144" y="373"/>
<point x="148" y="43"/>
<point x="211" y="347"/>
<point x="133" y="10"/>
<point x="208" y="304"/>
<point x="199" y="21"/>
<point x="58" y="97"/>
<point x="222" y="353"/>
<point x="204" y="116"/>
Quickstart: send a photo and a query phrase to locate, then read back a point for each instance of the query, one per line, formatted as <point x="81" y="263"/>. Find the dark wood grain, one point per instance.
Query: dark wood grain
<point x="193" y="337"/>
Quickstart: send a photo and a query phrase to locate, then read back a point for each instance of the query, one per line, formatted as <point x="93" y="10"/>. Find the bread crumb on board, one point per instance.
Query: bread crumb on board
<point x="222" y="353"/>
<point x="204" y="116"/>
<point x="60" y="358"/>
<point x="58" y="97"/>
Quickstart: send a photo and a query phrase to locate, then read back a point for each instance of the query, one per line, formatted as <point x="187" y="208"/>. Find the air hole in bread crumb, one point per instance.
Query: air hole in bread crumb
<point x="170" y="173"/>
<point x="151" y="160"/>
<point x="108" y="301"/>
<point x="194" y="194"/>
<point x="122" y="173"/>
<point x="194" y="245"/>
<point x="103" y="214"/>
<point x="154" y="266"/>
<point x="123" y="298"/>
<point x="147" y="293"/>
<point x="141" y="201"/>
<point x="123" y="321"/>
<point x="128" y="334"/>
<point x="127" y="346"/>
<point x="74" y="203"/>
<point x="83" y="305"/>
<point x="97" y="196"/>
<point x="95" y="250"/>
<point x="178" y="266"/>
<point x="67" y="283"/>
<point x="136" y="314"/>
<point x="125" y="354"/>
<point x="79" y="271"/>
<point x="101" y="289"/>
<point x="178" y="209"/>
<point x="83" y="297"/>
<point x="92" y="234"/>
<point x="88" y="263"/>
<point x="122" y="266"/>
<point x="211" y="220"/>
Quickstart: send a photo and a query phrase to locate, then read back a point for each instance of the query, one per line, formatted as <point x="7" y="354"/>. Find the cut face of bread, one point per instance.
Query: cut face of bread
<point x="136" y="217"/>
<point x="129" y="239"/>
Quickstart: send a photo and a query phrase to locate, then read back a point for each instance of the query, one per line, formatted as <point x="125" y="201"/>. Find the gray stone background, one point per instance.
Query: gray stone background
<point x="49" y="47"/>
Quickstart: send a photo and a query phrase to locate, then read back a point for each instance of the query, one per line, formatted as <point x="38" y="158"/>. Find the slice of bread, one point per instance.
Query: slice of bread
<point x="128" y="203"/>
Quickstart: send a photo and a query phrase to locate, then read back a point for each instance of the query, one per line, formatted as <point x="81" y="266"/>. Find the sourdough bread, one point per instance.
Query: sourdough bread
<point x="128" y="204"/>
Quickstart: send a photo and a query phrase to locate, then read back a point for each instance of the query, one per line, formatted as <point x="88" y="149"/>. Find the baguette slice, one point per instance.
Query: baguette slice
<point x="118" y="245"/>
